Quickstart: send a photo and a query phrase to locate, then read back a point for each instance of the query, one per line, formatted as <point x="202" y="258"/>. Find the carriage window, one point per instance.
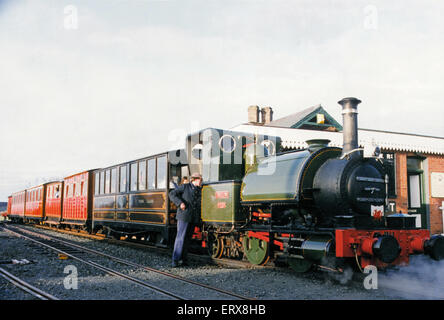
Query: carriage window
<point x="107" y="181"/>
<point x="123" y="179"/>
<point x="82" y="191"/>
<point x="133" y="182"/>
<point x="102" y="182"/>
<point x="152" y="174"/>
<point x="114" y="180"/>
<point x="96" y="183"/>
<point x="161" y="172"/>
<point x="66" y="191"/>
<point x="74" y="191"/>
<point x="142" y="175"/>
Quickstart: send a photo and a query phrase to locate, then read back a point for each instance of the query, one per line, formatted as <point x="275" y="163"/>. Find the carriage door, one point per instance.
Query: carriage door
<point x="415" y="184"/>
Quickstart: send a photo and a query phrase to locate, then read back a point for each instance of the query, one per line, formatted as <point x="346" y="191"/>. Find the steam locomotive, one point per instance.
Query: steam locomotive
<point x="319" y="206"/>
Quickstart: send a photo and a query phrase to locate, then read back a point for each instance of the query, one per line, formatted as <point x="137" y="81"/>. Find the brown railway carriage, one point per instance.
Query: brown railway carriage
<point x="132" y="198"/>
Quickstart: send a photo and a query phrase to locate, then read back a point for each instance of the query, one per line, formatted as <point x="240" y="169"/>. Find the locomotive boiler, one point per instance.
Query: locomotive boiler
<point x="319" y="206"/>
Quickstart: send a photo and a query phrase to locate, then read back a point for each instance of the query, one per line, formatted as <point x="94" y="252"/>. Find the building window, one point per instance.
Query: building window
<point x="390" y="171"/>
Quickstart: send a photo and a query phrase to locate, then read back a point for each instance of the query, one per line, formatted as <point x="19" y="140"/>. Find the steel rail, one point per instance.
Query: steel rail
<point x="132" y="264"/>
<point x="129" y="263"/>
<point x="103" y="268"/>
<point x="23" y="285"/>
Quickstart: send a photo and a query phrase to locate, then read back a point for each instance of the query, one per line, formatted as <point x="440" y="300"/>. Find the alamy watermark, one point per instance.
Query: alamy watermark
<point x="71" y="280"/>
<point x="371" y="281"/>
<point x="371" y="17"/>
<point x="71" y="17"/>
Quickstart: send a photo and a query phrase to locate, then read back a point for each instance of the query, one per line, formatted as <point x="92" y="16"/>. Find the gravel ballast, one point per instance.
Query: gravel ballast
<point x="54" y="275"/>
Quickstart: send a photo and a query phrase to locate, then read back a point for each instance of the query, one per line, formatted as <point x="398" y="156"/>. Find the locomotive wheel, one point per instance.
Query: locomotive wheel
<point x="215" y="246"/>
<point x="256" y="250"/>
<point x="299" y="265"/>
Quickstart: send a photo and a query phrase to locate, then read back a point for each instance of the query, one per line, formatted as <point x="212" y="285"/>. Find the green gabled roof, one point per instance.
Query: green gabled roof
<point x="306" y="119"/>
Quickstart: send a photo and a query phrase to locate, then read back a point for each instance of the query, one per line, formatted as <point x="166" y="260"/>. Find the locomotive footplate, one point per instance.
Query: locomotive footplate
<point x="383" y="248"/>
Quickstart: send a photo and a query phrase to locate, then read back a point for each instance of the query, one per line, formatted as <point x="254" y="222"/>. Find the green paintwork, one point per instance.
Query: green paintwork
<point x="291" y="178"/>
<point x="274" y="178"/>
<point x="220" y="202"/>
<point x="308" y="120"/>
<point x="256" y="250"/>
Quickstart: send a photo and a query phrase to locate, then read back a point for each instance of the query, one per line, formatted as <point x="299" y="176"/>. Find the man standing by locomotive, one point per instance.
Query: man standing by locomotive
<point x="187" y="199"/>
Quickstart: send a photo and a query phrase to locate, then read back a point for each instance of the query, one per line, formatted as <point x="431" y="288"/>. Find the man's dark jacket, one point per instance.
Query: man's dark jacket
<point x="191" y="196"/>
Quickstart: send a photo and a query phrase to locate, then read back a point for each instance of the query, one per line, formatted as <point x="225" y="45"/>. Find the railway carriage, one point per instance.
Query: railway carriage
<point x="54" y="202"/>
<point x="7" y="212"/>
<point x="132" y="198"/>
<point x="18" y="202"/>
<point x="77" y="200"/>
<point x="35" y="204"/>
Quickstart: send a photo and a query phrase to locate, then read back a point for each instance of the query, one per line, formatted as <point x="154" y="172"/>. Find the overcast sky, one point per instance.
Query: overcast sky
<point x="88" y="84"/>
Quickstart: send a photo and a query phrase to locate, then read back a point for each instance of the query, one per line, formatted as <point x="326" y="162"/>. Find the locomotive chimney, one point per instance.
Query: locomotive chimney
<point x="350" y="125"/>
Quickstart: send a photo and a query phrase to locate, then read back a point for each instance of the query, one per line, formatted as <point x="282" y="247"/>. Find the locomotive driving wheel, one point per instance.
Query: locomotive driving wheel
<point x="215" y="246"/>
<point x="256" y="250"/>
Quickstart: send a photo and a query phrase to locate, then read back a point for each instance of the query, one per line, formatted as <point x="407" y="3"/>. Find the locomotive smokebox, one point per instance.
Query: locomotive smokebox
<point x="350" y="126"/>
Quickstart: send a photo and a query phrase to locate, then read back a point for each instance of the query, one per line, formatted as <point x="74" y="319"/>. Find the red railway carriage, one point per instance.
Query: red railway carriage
<point x="8" y="208"/>
<point x="35" y="204"/>
<point x="54" y="202"/>
<point x="77" y="199"/>
<point x="18" y="203"/>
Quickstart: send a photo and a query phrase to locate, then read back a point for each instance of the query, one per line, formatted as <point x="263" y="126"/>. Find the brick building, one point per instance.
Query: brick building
<point x="414" y="163"/>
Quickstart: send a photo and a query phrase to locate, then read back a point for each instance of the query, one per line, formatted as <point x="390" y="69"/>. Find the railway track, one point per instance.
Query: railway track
<point x="128" y="242"/>
<point x="75" y="252"/>
<point x="25" y="286"/>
